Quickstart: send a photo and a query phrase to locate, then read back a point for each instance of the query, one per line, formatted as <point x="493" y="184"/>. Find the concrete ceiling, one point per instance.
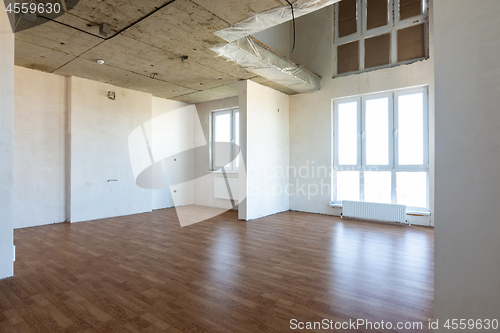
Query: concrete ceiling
<point x="146" y="47"/>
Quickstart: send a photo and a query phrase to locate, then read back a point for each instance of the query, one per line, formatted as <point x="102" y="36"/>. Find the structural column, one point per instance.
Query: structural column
<point x="6" y="144"/>
<point x="467" y="83"/>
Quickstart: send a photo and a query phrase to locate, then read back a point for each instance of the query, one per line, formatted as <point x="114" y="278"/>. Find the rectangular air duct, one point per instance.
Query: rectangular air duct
<point x="271" y="18"/>
<point x="262" y="60"/>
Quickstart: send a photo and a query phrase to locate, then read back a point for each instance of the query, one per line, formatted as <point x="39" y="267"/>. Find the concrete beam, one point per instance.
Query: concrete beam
<point x="89" y="14"/>
<point x="213" y="94"/>
<point x="184" y="28"/>
<point x="154" y="45"/>
<point x="274" y="85"/>
<point x="57" y="37"/>
<point x="121" y="78"/>
<point x="39" y="57"/>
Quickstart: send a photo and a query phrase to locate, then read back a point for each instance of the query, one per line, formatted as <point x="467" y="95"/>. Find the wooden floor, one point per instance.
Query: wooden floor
<point x="144" y="273"/>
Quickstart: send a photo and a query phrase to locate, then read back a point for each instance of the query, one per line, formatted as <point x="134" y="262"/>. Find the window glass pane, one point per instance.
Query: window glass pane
<point x="377" y="186"/>
<point x="348" y="185"/>
<point x="237" y="136"/>
<point x="222" y="133"/>
<point x="222" y="123"/>
<point x="411" y="129"/>
<point x="376" y="13"/>
<point x="348" y="133"/>
<point x="411" y="188"/>
<point x="347" y="17"/>
<point x="377" y="131"/>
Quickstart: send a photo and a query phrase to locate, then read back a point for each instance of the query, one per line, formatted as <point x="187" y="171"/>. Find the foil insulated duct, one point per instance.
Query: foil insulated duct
<point x="261" y="60"/>
<point x="271" y="18"/>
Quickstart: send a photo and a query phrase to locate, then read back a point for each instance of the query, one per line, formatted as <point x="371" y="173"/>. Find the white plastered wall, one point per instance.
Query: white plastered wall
<point x="6" y="145"/>
<point x="39" y="148"/>
<point x="266" y="150"/>
<point x="467" y="247"/>
<point x="70" y="139"/>
<point x="180" y="131"/>
<point x="242" y="175"/>
<point x="99" y="150"/>
<point x="311" y="114"/>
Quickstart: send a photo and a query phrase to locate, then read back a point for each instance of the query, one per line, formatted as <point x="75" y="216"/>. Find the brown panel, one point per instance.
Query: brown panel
<point x="377" y="51"/>
<point x="347" y="17"/>
<point x="348" y="57"/>
<point x="376" y="13"/>
<point x="409" y="8"/>
<point x="411" y="43"/>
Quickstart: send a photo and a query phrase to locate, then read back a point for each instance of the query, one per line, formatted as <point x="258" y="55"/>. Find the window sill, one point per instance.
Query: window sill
<point x="227" y="171"/>
<point x="418" y="212"/>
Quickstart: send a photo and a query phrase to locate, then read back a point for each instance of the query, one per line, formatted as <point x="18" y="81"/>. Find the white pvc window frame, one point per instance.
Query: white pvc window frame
<point x="393" y="166"/>
<point x="213" y="151"/>
<point x="393" y="25"/>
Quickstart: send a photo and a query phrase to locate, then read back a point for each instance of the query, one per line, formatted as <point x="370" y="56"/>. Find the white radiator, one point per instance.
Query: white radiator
<point x="221" y="190"/>
<point x="374" y="211"/>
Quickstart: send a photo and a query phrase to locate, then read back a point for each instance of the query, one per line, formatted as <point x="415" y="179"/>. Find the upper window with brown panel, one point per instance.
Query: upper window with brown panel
<point x="373" y="34"/>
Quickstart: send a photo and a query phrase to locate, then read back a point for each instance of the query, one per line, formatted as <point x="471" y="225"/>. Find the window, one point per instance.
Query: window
<point x="225" y="132"/>
<point x="381" y="148"/>
<point x="372" y="34"/>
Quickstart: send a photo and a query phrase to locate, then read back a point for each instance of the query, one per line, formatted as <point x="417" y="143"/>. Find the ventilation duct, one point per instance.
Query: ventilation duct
<point x="271" y="18"/>
<point x="261" y="60"/>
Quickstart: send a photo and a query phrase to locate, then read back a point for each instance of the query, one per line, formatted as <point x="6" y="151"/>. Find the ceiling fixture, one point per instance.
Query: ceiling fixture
<point x="104" y="30"/>
<point x="100" y="61"/>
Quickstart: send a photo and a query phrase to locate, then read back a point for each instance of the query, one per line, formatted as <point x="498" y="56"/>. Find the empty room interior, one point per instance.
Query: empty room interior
<point x="249" y="166"/>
